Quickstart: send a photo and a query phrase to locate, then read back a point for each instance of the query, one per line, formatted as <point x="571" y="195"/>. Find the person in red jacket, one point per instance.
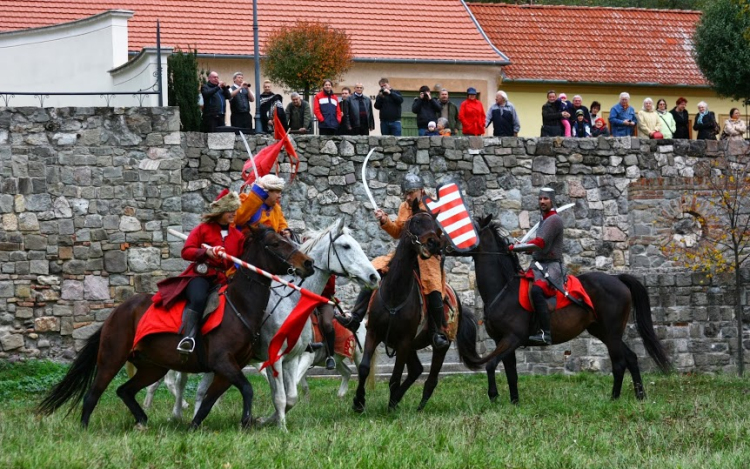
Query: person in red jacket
<point x="207" y="267"/>
<point x="471" y="114"/>
<point x="327" y="110"/>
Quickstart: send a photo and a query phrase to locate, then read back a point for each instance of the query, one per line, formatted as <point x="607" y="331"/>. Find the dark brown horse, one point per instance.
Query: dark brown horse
<point x="498" y="280"/>
<point x="224" y="351"/>
<point x="396" y="312"/>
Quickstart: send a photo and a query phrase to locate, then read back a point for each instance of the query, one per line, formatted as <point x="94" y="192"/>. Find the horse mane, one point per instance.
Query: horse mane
<point x="313" y="237"/>
<point x="495" y="227"/>
<point x="400" y="257"/>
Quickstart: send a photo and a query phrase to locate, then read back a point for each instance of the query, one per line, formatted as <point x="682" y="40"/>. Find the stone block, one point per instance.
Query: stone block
<point x="11" y="342"/>
<point x="221" y="141"/>
<point x="95" y="288"/>
<point x="72" y="290"/>
<point x="47" y="324"/>
<point x="144" y="259"/>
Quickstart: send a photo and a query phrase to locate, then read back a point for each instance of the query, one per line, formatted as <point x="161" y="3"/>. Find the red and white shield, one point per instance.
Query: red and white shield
<point x="449" y="209"/>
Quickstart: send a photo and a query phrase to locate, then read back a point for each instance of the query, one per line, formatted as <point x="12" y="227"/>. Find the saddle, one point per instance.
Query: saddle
<point x="345" y="342"/>
<point x="557" y="302"/>
<point x="158" y="320"/>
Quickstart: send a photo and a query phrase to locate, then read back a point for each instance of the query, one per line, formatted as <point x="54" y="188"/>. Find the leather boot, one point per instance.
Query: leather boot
<point x="189" y="328"/>
<point x="330" y="341"/>
<point x="435" y="318"/>
<point x="359" y="311"/>
<point x="543" y="337"/>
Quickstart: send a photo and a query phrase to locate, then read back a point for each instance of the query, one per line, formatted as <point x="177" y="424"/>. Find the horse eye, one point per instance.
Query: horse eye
<point x="346" y="246"/>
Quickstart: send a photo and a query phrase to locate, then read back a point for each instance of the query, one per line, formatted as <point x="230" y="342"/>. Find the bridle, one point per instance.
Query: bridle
<point x="424" y="250"/>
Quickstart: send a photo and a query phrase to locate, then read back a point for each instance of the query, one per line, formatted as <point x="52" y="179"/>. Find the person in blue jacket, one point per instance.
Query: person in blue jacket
<point x="622" y="118"/>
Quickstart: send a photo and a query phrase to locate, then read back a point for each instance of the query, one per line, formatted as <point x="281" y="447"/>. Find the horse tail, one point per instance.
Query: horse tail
<point x="466" y="339"/>
<point x="644" y="323"/>
<point x="78" y="379"/>
<point x="370" y="381"/>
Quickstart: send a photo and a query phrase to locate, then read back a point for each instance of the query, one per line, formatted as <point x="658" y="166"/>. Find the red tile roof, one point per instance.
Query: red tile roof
<point x="588" y="44"/>
<point x="384" y="29"/>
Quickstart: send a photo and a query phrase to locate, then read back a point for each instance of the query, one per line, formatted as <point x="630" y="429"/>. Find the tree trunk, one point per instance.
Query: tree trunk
<point x="738" y="314"/>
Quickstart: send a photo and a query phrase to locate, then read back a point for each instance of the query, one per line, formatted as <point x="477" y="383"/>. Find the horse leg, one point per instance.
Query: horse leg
<point x="146" y="375"/>
<point x="228" y="367"/>
<point x="345" y="373"/>
<point x="305" y="387"/>
<point x="217" y="385"/>
<point x="150" y="392"/>
<point x="279" y="395"/>
<point x="438" y="356"/>
<point x="631" y="359"/>
<point x="200" y="393"/>
<point x="176" y="383"/>
<point x="371" y="342"/>
<point x="491" y="380"/>
<point x="615" y="347"/>
<point x="511" y="374"/>
<point x="403" y="353"/>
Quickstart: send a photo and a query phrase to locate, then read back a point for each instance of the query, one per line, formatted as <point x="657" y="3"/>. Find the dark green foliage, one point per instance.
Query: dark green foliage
<point x="183" y="88"/>
<point x="721" y="50"/>
<point x="662" y="4"/>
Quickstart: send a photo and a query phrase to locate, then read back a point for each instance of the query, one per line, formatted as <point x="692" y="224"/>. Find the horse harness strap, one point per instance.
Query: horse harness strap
<point x="392" y="312"/>
<point x="237" y="313"/>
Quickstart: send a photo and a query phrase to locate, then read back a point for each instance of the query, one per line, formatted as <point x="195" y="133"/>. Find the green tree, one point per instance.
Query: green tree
<point x="715" y="230"/>
<point x="183" y="87"/>
<point x="722" y="50"/>
<point x="299" y="57"/>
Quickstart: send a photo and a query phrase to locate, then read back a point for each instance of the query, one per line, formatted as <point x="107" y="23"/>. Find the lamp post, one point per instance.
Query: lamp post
<point x="256" y="53"/>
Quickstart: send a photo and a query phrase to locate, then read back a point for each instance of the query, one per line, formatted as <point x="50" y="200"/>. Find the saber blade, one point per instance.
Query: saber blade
<point x="533" y="229"/>
<point x="364" y="180"/>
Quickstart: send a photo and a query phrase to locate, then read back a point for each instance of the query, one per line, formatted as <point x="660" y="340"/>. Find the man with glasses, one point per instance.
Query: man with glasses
<point x="361" y="120"/>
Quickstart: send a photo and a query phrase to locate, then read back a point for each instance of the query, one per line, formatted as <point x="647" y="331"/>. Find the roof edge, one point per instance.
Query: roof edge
<point x="583" y="7"/>
<point x="532" y="81"/>
<point x="127" y="14"/>
<point x="481" y="31"/>
<point x="139" y="56"/>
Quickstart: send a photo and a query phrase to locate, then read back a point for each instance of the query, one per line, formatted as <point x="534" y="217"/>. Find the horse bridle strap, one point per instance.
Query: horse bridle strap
<point x="237" y="313"/>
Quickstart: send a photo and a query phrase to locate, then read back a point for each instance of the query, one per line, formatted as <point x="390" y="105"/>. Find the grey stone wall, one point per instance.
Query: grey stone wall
<point x="88" y="194"/>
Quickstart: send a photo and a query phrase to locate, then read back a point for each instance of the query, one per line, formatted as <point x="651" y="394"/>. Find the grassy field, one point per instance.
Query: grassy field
<point x="691" y="421"/>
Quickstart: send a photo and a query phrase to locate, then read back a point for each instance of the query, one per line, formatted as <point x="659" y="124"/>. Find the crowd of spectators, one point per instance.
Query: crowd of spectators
<point x="352" y="113"/>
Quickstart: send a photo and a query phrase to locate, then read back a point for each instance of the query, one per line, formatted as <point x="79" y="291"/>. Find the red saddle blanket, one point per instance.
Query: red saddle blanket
<point x="573" y="285"/>
<point x="158" y="320"/>
<point x="345" y="341"/>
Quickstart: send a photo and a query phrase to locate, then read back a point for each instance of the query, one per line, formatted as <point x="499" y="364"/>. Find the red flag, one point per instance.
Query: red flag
<point x="279" y="133"/>
<point x="264" y="161"/>
<point x="292" y="327"/>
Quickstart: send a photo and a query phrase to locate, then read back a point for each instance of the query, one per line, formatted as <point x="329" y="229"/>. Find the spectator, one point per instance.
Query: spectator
<point x="565" y="106"/>
<point x="552" y="116"/>
<point x="346" y="127"/>
<point x="622" y="117"/>
<point x="600" y="128"/>
<point x="388" y="102"/>
<point x="215" y="93"/>
<point x="503" y="117"/>
<point x="578" y="106"/>
<point x="450" y="112"/>
<point x="426" y="108"/>
<point x="668" y="125"/>
<point x="240" y="101"/>
<point x="299" y="115"/>
<point x="595" y="111"/>
<point x="268" y="101"/>
<point x="649" y="124"/>
<point x="442" y="127"/>
<point x="580" y="128"/>
<point x="734" y="127"/>
<point x="471" y="114"/>
<point x="326" y="109"/>
<point x="681" y="119"/>
<point x="361" y="121"/>
<point x="705" y="123"/>
<point x="431" y="130"/>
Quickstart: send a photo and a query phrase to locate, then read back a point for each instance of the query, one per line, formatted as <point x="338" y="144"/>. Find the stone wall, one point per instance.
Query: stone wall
<point x="88" y="194"/>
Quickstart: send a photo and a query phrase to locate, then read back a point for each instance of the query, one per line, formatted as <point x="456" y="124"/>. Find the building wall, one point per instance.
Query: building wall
<point x="87" y="196"/>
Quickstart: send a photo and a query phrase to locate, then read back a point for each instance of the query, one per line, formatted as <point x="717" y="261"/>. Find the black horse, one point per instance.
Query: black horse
<point x="396" y="312"/>
<point x="498" y="279"/>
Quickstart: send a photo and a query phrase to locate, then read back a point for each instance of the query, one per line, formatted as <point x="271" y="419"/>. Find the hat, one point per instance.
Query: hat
<point x="411" y="182"/>
<point x="471" y="90"/>
<point x="563" y="96"/>
<point x="600" y="120"/>
<point x="579" y="112"/>
<point x="424" y="89"/>
<point x="431" y="125"/>
<point x="271" y="182"/>
<point x="549" y="193"/>
<point x="226" y="201"/>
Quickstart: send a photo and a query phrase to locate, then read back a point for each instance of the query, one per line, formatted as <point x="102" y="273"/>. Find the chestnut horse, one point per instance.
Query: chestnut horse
<point x="396" y="312"/>
<point x="224" y="351"/>
<point x="498" y="278"/>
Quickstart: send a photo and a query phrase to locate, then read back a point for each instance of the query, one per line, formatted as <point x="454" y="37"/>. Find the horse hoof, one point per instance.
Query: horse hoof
<point x="514" y="401"/>
<point x="249" y="423"/>
<point x="141" y="427"/>
<point x="358" y="408"/>
<point x="421" y="406"/>
<point x="493" y="399"/>
<point x="392" y="406"/>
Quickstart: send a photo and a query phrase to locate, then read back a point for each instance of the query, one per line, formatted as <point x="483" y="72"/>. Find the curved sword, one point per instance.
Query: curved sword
<point x="533" y="229"/>
<point x="364" y="180"/>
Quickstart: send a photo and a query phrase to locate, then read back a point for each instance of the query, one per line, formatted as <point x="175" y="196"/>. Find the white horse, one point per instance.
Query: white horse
<point x="336" y="252"/>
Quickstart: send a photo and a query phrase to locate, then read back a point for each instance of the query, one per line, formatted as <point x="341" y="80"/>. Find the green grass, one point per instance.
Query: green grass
<point x="694" y="421"/>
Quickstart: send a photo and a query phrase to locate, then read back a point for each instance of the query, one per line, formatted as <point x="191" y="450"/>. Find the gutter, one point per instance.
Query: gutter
<point x="534" y="81"/>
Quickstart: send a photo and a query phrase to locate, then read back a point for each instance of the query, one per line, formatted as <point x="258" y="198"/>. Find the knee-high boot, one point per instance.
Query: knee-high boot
<point x="358" y="312"/>
<point x="330" y="338"/>
<point x="435" y="320"/>
<point x="543" y="337"/>
<point x="189" y="328"/>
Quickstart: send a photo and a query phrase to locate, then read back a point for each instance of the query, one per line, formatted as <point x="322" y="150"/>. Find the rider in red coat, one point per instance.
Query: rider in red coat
<point x="207" y="268"/>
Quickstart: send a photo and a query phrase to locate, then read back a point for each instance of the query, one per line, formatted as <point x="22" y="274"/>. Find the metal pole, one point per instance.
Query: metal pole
<point x="256" y="53"/>
<point x="158" y="64"/>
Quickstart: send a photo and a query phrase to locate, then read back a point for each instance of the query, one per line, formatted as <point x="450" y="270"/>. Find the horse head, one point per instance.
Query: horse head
<point x="340" y="254"/>
<point x="424" y="232"/>
<point x="493" y="242"/>
<point x="280" y="256"/>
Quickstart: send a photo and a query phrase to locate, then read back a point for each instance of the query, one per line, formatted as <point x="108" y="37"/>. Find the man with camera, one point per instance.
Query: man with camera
<point x="240" y="101"/>
<point x="388" y="102"/>
<point x="215" y="93"/>
<point x="426" y="108"/>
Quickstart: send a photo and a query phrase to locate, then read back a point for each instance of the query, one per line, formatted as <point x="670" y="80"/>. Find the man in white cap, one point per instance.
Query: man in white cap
<point x="546" y="250"/>
<point x="261" y="205"/>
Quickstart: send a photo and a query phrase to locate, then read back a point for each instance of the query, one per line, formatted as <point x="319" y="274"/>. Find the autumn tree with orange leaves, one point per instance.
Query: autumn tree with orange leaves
<point x="299" y="57"/>
<point x="715" y="238"/>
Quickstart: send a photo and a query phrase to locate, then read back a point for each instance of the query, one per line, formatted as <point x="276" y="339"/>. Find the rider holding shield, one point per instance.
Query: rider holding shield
<point x="430" y="271"/>
<point x="546" y="251"/>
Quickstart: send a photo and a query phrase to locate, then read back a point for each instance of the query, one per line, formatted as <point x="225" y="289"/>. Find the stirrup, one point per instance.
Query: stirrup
<point x="349" y="322"/>
<point x="330" y="363"/>
<point x="186" y="345"/>
<point x="540" y="338"/>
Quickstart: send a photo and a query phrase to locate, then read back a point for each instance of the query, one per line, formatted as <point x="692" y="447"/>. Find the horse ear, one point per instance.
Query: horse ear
<point x="415" y="206"/>
<point x="485" y="221"/>
<point x="339" y="226"/>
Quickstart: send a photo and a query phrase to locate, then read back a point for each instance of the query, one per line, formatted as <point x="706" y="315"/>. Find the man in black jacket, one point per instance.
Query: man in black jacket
<point x="388" y="102"/>
<point x="360" y="115"/>
<point x="215" y="93"/>
<point x="239" y="103"/>
<point x="552" y="116"/>
<point x="426" y="108"/>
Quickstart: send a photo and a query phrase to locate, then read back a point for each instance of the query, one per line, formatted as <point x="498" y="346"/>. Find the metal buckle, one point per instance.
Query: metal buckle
<point x="201" y="268"/>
